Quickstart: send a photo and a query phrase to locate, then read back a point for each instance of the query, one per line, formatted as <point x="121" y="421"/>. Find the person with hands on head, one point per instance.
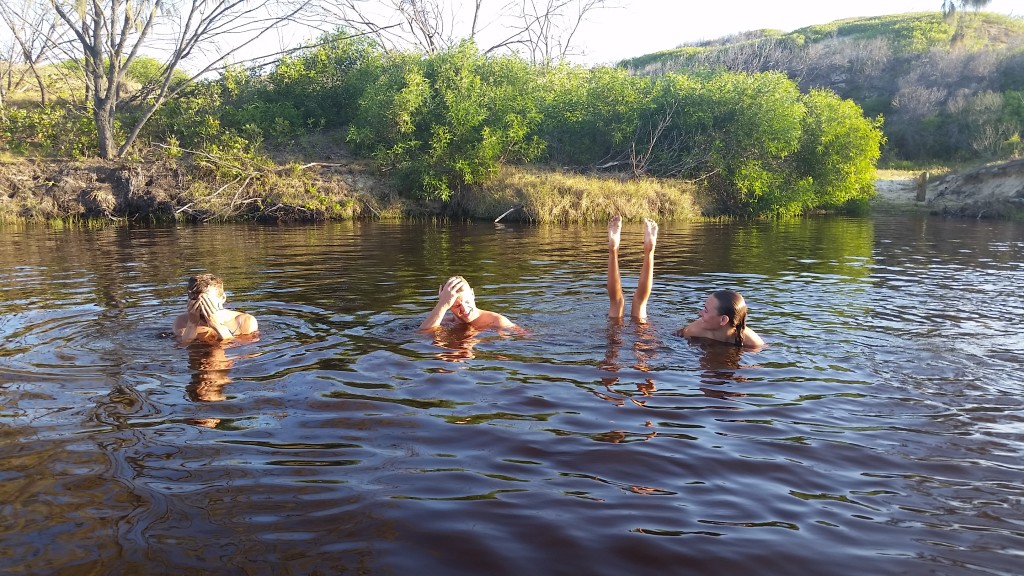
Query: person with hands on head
<point x="723" y="318"/>
<point x="457" y="295"/>
<point x="206" y="318"/>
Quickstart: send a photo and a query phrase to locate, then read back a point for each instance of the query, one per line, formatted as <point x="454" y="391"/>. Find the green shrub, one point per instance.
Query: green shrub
<point x="439" y="123"/>
<point x="48" y="130"/>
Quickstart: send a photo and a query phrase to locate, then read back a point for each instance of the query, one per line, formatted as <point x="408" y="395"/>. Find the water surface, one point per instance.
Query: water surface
<point x="880" y="432"/>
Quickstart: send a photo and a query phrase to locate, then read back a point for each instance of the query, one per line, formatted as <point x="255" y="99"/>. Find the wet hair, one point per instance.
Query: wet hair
<point x="731" y="304"/>
<point x="200" y="283"/>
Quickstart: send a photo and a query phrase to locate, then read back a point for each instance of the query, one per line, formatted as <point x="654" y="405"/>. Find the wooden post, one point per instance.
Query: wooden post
<point x="922" y="187"/>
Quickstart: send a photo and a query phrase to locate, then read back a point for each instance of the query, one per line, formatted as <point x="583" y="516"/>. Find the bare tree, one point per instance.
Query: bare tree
<point x="34" y="33"/>
<point x="542" y="30"/>
<point x="547" y="27"/>
<point x="110" y="35"/>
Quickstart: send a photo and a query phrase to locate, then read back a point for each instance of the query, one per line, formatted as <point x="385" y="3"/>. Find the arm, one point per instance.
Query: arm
<point x="185" y="329"/>
<point x="445" y="299"/>
<point x="433" y="320"/>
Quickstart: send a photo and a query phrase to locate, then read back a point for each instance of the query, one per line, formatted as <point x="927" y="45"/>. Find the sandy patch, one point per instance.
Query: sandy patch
<point x="896" y="190"/>
<point x="995" y="190"/>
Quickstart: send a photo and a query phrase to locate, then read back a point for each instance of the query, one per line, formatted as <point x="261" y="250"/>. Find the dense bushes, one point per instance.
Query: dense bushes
<point x="947" y="88"/>
<point x="438" y="124"/>
<point x="442" y="122"/>
<point x="50" y="130"/>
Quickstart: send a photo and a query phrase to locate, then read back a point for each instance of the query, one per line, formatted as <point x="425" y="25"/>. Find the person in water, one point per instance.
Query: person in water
<point x="616" y="302"/>
<point x="724" y="318"/>
<point x="457" y="295"/>
<point x="206" y="318"/>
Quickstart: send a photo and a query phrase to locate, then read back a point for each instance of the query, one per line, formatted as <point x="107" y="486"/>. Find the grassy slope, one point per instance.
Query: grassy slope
<point x="912" y="33"/>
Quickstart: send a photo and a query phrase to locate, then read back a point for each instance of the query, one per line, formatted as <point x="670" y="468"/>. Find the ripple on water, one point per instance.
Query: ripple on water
<point x="878" y="432"/>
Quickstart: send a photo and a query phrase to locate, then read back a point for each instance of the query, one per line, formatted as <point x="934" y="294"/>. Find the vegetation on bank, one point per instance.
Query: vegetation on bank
<point x="446" y="128"/>
<point x="951" y="89"/>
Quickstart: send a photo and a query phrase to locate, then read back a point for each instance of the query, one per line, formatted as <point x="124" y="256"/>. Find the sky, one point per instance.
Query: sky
<point x="638" y="27"/>
<point x="643" y="26"/>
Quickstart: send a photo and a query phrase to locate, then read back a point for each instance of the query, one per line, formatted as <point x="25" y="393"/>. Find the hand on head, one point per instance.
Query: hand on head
<point x="204" y="308"/>
<point x="209" y="305"/>
<point x="454" y="288"/>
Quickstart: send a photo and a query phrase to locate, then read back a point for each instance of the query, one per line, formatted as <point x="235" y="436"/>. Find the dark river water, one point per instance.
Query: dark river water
<point x="881" y="431"/>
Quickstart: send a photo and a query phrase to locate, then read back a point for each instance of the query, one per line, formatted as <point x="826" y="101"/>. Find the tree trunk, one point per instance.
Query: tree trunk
<point x="103" y="113"/>
<point x="42" y="86"/>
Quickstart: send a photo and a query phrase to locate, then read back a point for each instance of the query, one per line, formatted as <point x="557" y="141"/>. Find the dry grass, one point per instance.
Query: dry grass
<point x="546" y="196"/>
<point x="898" y="174"/>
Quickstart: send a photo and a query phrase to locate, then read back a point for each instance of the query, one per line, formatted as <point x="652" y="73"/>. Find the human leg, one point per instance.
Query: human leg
<point x="646" y="281"/>
<point x="616" y="303"/>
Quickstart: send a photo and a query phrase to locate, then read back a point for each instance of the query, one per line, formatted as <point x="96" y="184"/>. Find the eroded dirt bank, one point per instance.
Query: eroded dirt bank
<point x="40" y="190"/>
<point x="163" y="191"/>
<point x="995" y="191"/>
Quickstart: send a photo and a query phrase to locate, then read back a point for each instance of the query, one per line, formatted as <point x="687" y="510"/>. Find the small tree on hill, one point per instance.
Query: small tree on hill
<point x="951" y="6"/>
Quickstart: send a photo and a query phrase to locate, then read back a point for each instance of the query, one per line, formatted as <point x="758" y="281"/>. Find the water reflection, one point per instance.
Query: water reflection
<point x="210" y="372"/>
<point x="457" y="340"/>
<point x="880" y="423"/>
<point x="644" y="348"/>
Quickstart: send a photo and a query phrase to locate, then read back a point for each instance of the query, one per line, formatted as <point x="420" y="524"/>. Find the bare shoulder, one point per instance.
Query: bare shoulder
<point x="505" y="323"/>
<point x="693" y="330"/>
<point x="180" y="322"/>
<point x="247" y="323"/>
<point x="751" y="339"/>
<point x="494" y="321"/>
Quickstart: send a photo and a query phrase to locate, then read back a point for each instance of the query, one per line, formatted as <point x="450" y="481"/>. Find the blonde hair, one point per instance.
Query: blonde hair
<point x="201" y="283"/>
<point x="466" y="296"/>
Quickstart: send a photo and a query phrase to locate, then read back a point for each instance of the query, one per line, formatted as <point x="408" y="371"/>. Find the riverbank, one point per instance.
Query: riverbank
<point x="342" y="187"/>
<point x="994" y="191"/>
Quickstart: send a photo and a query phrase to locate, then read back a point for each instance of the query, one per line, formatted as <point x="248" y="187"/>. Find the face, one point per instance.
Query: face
<point x="709" y="313"/>
<point x="463" y="310"/>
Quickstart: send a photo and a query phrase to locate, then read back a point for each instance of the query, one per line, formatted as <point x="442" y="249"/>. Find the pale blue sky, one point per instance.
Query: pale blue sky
<point x="638" y="27"/>
<point x="644" y="26"/>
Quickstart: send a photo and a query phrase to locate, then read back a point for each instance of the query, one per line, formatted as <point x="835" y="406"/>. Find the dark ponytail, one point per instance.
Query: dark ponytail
<point x="731" y="304"/>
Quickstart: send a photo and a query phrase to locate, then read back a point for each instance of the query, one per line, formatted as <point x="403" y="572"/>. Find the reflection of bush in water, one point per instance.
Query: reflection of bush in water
<point x="837" y="247"/>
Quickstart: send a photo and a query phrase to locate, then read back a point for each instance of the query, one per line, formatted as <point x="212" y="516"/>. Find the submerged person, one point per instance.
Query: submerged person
<point x="616" y="302"/>
<point x="724" y="318"/>
<point x="206" y="318"/>
<point x="457" y="295"/>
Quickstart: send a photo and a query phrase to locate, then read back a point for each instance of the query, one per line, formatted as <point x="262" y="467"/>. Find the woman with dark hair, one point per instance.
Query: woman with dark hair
<point x="724" y="318"/>
<point x="206" y="318"/>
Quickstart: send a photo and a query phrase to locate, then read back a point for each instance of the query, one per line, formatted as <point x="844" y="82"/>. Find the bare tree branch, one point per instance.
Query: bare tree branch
<point x="111" y="34"/>
<point x="541" y="30"/>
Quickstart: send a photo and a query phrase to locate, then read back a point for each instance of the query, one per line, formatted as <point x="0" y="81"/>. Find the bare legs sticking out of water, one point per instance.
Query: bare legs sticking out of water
<point x="616" y="302"/>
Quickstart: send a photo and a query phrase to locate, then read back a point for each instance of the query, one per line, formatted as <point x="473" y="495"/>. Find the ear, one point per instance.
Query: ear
<point x="723" y="320"/>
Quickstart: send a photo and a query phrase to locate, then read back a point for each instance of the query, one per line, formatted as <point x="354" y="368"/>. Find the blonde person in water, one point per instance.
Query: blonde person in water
<point x="724" y="318"/>
<point x="616" y="302"/>
<point x="206" y="318"/>
<point x="457" y="295"/>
